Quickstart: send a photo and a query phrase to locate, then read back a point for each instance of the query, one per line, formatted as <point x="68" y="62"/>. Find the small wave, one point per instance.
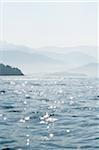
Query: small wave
<point x="7" y="107"/>
<point x="2" y="92"/>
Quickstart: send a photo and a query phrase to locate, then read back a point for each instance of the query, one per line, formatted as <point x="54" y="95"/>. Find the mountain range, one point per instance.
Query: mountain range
<point x="48" y="58"/>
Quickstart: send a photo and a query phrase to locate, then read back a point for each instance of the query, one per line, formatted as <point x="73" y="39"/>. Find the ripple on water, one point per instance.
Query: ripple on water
<point x="2" y="92"/>
<point x="47" y="119"/>
<point x="49" y="114"/>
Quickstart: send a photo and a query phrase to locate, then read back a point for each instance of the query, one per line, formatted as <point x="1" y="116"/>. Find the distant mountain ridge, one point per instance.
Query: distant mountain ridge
<point x="89" y="50"/>
<point x="91" y="70"/>
<point x="27" y="57"/>
<point x="48" y="58"/>
<point x="11" y="51"/>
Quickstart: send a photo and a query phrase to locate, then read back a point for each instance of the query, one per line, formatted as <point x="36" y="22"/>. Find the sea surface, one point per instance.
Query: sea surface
<point x="49" y="113"/>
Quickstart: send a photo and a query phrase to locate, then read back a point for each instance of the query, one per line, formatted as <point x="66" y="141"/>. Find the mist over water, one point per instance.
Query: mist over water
<point x="49" y="113"/>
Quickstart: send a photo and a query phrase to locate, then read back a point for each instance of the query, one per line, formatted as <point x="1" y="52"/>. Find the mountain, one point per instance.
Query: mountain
<point x="79" y="58"/>
<point x="72" y="59"/>
<point x="91" y="70"/>
<point x="89" y="50"/>
<point x="29" y="62"/>
<point x="25" y="57"/>
<point x="8" y="70"/>
<point x="5" y="46"/>
<point x="12" y="53"/>
<point x="46" y="59"/>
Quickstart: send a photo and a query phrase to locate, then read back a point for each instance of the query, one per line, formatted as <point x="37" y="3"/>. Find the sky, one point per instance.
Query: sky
<point x="46" y="24"/>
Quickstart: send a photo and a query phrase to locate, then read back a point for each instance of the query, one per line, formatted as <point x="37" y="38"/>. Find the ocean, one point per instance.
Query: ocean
<point x="49" y="113"/>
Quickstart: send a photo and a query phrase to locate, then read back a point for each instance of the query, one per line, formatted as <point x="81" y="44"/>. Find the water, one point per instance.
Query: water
<point x="52" y="113"/>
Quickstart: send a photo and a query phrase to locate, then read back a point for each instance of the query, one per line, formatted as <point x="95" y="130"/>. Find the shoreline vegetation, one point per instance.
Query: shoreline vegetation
<point x="6" y="70"/>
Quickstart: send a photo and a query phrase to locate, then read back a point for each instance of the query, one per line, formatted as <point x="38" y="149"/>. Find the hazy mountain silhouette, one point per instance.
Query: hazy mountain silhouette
<point x="47" y="58"/>
<point x="25" y="57"/>
<point x="91" y="70"/>
<point x="89" y="50"/>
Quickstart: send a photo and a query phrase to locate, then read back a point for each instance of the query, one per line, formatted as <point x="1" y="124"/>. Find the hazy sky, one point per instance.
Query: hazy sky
<point x="50" y="24"/>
